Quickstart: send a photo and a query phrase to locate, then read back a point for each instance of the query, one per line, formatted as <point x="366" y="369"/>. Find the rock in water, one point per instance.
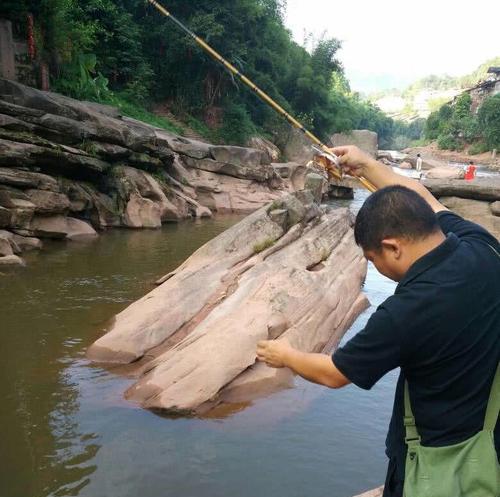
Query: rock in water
<point x="445" y="173"/>
<point x="297" y="275"/>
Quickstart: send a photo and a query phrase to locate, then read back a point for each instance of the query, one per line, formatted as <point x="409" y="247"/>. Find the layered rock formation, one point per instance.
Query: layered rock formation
<point x="288" y="270"/>
<point x="69" y="169"/>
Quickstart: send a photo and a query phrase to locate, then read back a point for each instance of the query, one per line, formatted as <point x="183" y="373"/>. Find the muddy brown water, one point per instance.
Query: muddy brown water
<point x="67" y="431"/>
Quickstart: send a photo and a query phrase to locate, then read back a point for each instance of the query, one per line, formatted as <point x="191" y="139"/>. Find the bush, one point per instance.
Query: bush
<point x="448" y="142"/>
<point x="401" y="142"/>
<point x="462" y="106"/>
<point x="470" y="128"/>
<point x="478" y="148"/>
<point x="431" y="131"/>
<point x="79" y="79"/>
<point x="238" y="126"/>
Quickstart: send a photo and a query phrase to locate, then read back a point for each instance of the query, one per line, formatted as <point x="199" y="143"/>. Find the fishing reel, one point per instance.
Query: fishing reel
<point x="328" y="161"/>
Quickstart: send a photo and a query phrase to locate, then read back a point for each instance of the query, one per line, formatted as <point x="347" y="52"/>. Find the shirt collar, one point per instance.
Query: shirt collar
<point x="435" y="256"/>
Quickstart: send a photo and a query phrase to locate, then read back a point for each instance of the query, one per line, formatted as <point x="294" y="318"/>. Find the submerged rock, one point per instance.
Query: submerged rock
<point x="376" y="492"/>
<point x="288" y="269"/>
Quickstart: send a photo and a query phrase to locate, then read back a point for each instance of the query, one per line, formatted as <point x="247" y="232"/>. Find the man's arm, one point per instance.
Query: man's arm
<point x="318" y="368"/>
<point x="356" y="163"/>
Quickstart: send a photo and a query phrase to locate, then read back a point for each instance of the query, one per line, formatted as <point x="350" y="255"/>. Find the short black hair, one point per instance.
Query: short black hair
<point x="393" y="212"/>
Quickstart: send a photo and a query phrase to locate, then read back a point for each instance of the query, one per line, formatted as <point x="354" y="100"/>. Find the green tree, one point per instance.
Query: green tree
<point x="489" y="121"/>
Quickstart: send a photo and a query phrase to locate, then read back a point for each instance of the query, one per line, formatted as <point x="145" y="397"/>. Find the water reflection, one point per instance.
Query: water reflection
<point x="50" y="311"/>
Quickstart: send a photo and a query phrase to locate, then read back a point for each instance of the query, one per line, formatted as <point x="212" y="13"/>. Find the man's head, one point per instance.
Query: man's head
<point x="395" y="227"/>
<point x="418" y="155"/>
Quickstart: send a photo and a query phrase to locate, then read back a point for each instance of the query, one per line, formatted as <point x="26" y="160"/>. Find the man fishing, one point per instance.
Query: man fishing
<point x="441" y="327"/>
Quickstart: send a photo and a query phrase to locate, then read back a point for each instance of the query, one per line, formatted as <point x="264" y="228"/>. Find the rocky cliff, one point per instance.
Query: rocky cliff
<point x="69" y="169"/>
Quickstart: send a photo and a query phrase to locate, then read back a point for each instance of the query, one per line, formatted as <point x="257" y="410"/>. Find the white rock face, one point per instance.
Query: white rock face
<point x="297" y="274"/>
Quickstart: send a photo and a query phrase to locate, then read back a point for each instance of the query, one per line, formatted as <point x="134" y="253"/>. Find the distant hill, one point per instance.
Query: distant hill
<point x="427" y="94"/>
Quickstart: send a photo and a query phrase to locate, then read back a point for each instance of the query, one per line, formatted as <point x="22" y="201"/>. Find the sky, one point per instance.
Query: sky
<point x="389" y="43"/>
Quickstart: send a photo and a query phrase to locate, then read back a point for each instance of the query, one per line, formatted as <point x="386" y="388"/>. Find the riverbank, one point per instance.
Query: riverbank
<point x="432" y="152"/>
<point x="71" y="169"/>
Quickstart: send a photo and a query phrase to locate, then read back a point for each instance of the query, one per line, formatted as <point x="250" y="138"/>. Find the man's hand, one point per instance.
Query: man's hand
<point x="274" y="352"/>
<point x="355" y="162"/>
<point x="352" y="160"/>
<point x="318" y="368"/>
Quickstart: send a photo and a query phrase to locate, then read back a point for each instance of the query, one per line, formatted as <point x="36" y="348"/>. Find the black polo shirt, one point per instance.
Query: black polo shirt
<point x="442" y="328"/>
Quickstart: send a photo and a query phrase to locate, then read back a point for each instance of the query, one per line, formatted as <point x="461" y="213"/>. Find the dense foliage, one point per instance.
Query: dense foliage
<point x="455" y="126"/>
<point x="125" y="49"/>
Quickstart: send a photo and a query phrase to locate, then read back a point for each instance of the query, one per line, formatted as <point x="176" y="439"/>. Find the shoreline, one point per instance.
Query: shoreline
<point x="432" y="152"/>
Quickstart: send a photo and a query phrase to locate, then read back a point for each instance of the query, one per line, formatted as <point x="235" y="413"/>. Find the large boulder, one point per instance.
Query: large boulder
<point x="225" y="194"/>
<point x="61" y="227"/>
<point x="65" y="115"/>
<point x="362" y="138"/>
<point x="474" y="210"/>
<point x="297" y="147"/>
<point x="11" y="260"/>
<point x="5" y="217"/>
<point x="445" y="173"/>
<point x="5" y="245"/>
<point x="47" y="202"/>
<point x="186" y="146"/>
<point x="477" y="189"/>
<point x="52" y="160"/>
<point x="20" y="243"/>
<point x="276" y="273"/>
<point x="239" y="156"/>
<point x="294" y="173"/>
<point x="317" y="185"/>
<point x="22" y="213"/>
<point x="27" y="179"/>
<point x="254" y="172"/>
<point x="266" y="146"/>
<point x="142" y="213"/>
<point x="146" y="203"/>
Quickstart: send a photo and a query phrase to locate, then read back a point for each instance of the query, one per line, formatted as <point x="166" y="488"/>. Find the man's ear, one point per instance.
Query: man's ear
<point x="392" y="246"/>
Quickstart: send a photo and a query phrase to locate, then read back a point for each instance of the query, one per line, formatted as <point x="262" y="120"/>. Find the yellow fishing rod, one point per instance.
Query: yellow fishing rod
<point x="331" y="162"/>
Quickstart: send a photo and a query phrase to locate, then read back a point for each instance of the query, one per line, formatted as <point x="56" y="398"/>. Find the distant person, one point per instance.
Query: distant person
<point x="470" y="171"/>
<point x="441" y="328"/>
<point x="419" y="163"/>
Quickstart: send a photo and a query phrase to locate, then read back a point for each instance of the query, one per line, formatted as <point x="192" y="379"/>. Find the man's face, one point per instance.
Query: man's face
<point x="388" y="260"/>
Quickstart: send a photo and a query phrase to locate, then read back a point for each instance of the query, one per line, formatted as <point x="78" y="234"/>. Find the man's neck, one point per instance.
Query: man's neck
<point x="423" y="247"/>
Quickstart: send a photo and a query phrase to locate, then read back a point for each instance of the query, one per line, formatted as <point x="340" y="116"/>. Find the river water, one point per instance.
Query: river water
<point x="66" y="430"/>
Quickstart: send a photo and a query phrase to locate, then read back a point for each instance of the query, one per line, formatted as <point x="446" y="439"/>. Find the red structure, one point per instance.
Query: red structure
<point x="31" y="38"/>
